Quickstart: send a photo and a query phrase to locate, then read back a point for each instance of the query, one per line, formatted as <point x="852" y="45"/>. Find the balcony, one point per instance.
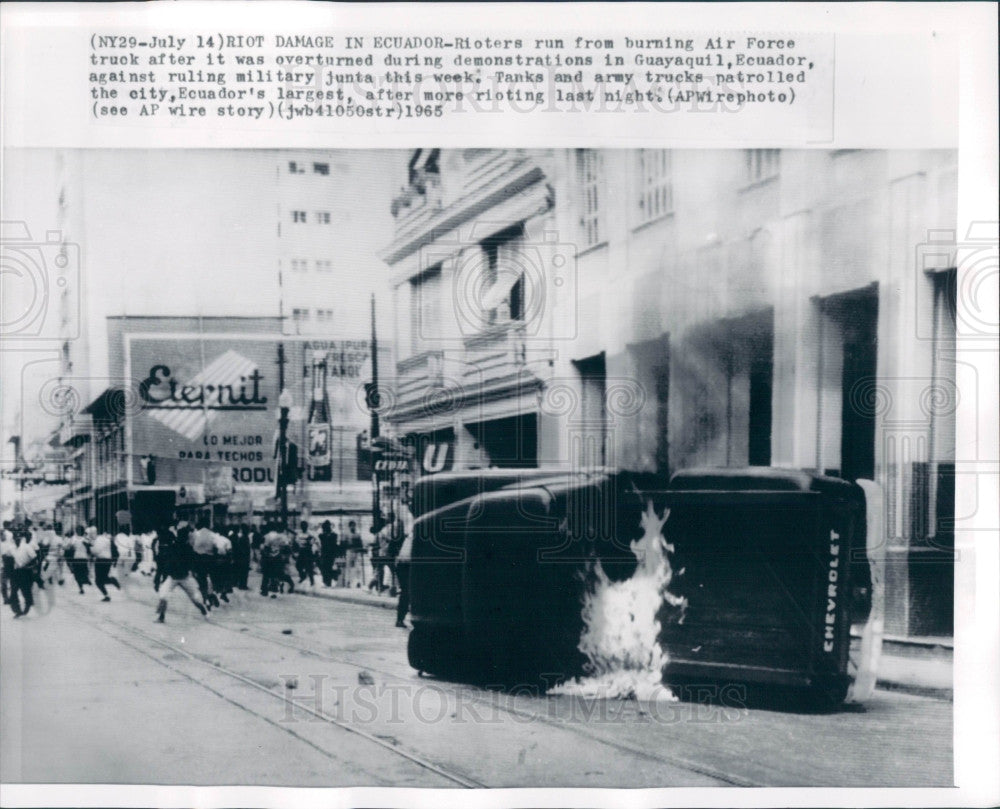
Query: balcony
<point x="417" y="377"/>
<point x="487" y="178"/>
<point x="490" y="365"/>
<point x="496" y="359"/>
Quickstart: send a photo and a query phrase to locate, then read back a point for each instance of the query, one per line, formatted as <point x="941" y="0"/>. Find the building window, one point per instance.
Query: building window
<point x="656" y="184"/>
<point x="589" y="434"/>
<point x="299" y="216"/>
<point x="300" y="316"/>
<point x="324" y="265"/>
<point x="323" y="217"/>
<point x="295" y="168"/>
<point x="503" y="283"/>
<point x="759" y="421"/>
<point x="590" y="184"/>
<point x="324" y="315"/>
<point x="762" y="164"/>
<point x="425" y="309"/>
<point x="321" y="168"/>
<point x="299" y="264"/>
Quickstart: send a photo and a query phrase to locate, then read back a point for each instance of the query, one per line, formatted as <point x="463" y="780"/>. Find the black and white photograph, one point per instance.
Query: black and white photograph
<point x="606" y="449"/>
<point x="474" y="466"/>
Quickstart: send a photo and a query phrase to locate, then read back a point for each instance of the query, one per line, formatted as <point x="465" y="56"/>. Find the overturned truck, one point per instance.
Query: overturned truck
<point x="773" y="566"/>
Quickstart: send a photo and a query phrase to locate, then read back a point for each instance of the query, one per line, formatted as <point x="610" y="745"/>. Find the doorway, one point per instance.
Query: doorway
<point x="855" y="314"/>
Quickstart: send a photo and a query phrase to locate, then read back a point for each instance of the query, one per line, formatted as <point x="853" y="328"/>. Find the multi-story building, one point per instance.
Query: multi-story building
<point x="472" y="255"/>
<point x="332" y="218"/>
<point x="655" y="310"/>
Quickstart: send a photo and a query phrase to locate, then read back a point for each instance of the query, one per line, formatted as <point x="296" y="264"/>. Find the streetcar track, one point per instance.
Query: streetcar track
<point x="424" y="763"/>
<point x="483" y="698"/>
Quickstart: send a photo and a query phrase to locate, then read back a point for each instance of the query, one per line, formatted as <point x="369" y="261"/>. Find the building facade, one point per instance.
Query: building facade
<point x="656" y="310"/>
<point x="332" y="218"/>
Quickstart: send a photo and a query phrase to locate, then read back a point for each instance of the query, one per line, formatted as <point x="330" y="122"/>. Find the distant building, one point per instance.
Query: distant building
<point x="190" y="419"/>
<point x="656" y="310"/>
<point x="332" y="219"/>
<point x="282" y="238"/>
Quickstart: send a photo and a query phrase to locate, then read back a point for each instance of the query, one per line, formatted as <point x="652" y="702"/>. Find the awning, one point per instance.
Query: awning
<point x="107" y="407"/>
<point x="425" y="160"/>
<point x="496" y="294"/>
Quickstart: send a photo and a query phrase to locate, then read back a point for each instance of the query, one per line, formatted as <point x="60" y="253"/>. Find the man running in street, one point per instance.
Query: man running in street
<point x="222" y="567"/>
<point x="25" y="572"/>
<point x="175" y="560"/>
<point x="273" y="561"/>
<point x="78" y="553"/>
<point x="105" y="554"/>
<point x="203" y="544"/>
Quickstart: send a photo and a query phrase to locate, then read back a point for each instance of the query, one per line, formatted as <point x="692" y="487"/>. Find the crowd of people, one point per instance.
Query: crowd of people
<point x="206" y="563"/>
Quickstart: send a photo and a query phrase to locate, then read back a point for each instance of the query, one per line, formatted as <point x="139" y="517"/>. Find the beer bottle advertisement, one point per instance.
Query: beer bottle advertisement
<point x="318" y="432"/>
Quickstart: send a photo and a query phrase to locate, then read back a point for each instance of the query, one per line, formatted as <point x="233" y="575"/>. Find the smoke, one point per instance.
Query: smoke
<point x="621" y="629"/>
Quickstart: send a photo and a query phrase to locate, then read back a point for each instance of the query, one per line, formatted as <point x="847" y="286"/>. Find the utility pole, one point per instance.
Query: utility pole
<point x="373" y="404"/>
<point x="282" y="481"/>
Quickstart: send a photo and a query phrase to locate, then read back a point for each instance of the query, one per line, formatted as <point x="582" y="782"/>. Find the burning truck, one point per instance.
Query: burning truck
<point x="606" y="583"/>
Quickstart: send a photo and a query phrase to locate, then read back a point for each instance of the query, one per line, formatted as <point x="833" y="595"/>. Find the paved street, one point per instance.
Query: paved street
<point x="315" y="692"/>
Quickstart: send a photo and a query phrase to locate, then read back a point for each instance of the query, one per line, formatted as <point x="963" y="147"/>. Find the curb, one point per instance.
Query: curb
<point x="931" y="692"/>
<point x="367" y="600"/>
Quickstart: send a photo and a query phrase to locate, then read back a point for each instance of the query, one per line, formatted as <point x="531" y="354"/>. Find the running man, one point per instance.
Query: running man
<point x="77" y="552"/>
<point x="203" y="542"/>
<point x="222" y="567"/>
<point x="25" y="572"/>
<point x="175" y="559"/>
<point x="105" y="554"/>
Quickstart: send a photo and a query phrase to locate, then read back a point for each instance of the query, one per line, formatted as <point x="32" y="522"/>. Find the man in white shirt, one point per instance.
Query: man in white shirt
<point x="78" y="553"/>
<point x="105" y="555"/>
<point x="222" y="566"/>
<point x="124" y="547"/>
<point x="204" y="547"/>
<point x="48" y="552"/>
<point x="57" y="556"/>
<point x="25" y="554"/>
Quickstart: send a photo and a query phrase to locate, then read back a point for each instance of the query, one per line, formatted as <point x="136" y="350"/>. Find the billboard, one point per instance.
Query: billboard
<point x="207" y="407"/>
<point x="204" y="405"/>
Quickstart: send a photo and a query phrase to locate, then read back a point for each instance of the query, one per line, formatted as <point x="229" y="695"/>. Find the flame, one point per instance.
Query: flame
<point x="621" y="631"/>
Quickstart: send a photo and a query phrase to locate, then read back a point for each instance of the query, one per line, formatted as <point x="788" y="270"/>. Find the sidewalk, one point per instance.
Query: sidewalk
<point x="921" y="667"/>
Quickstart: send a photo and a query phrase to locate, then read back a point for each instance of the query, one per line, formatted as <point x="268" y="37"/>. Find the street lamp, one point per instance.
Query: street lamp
<point x="284" y="405"/>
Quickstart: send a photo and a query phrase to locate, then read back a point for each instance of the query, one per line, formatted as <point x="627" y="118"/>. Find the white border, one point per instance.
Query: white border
<point x="972" y="27"/>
